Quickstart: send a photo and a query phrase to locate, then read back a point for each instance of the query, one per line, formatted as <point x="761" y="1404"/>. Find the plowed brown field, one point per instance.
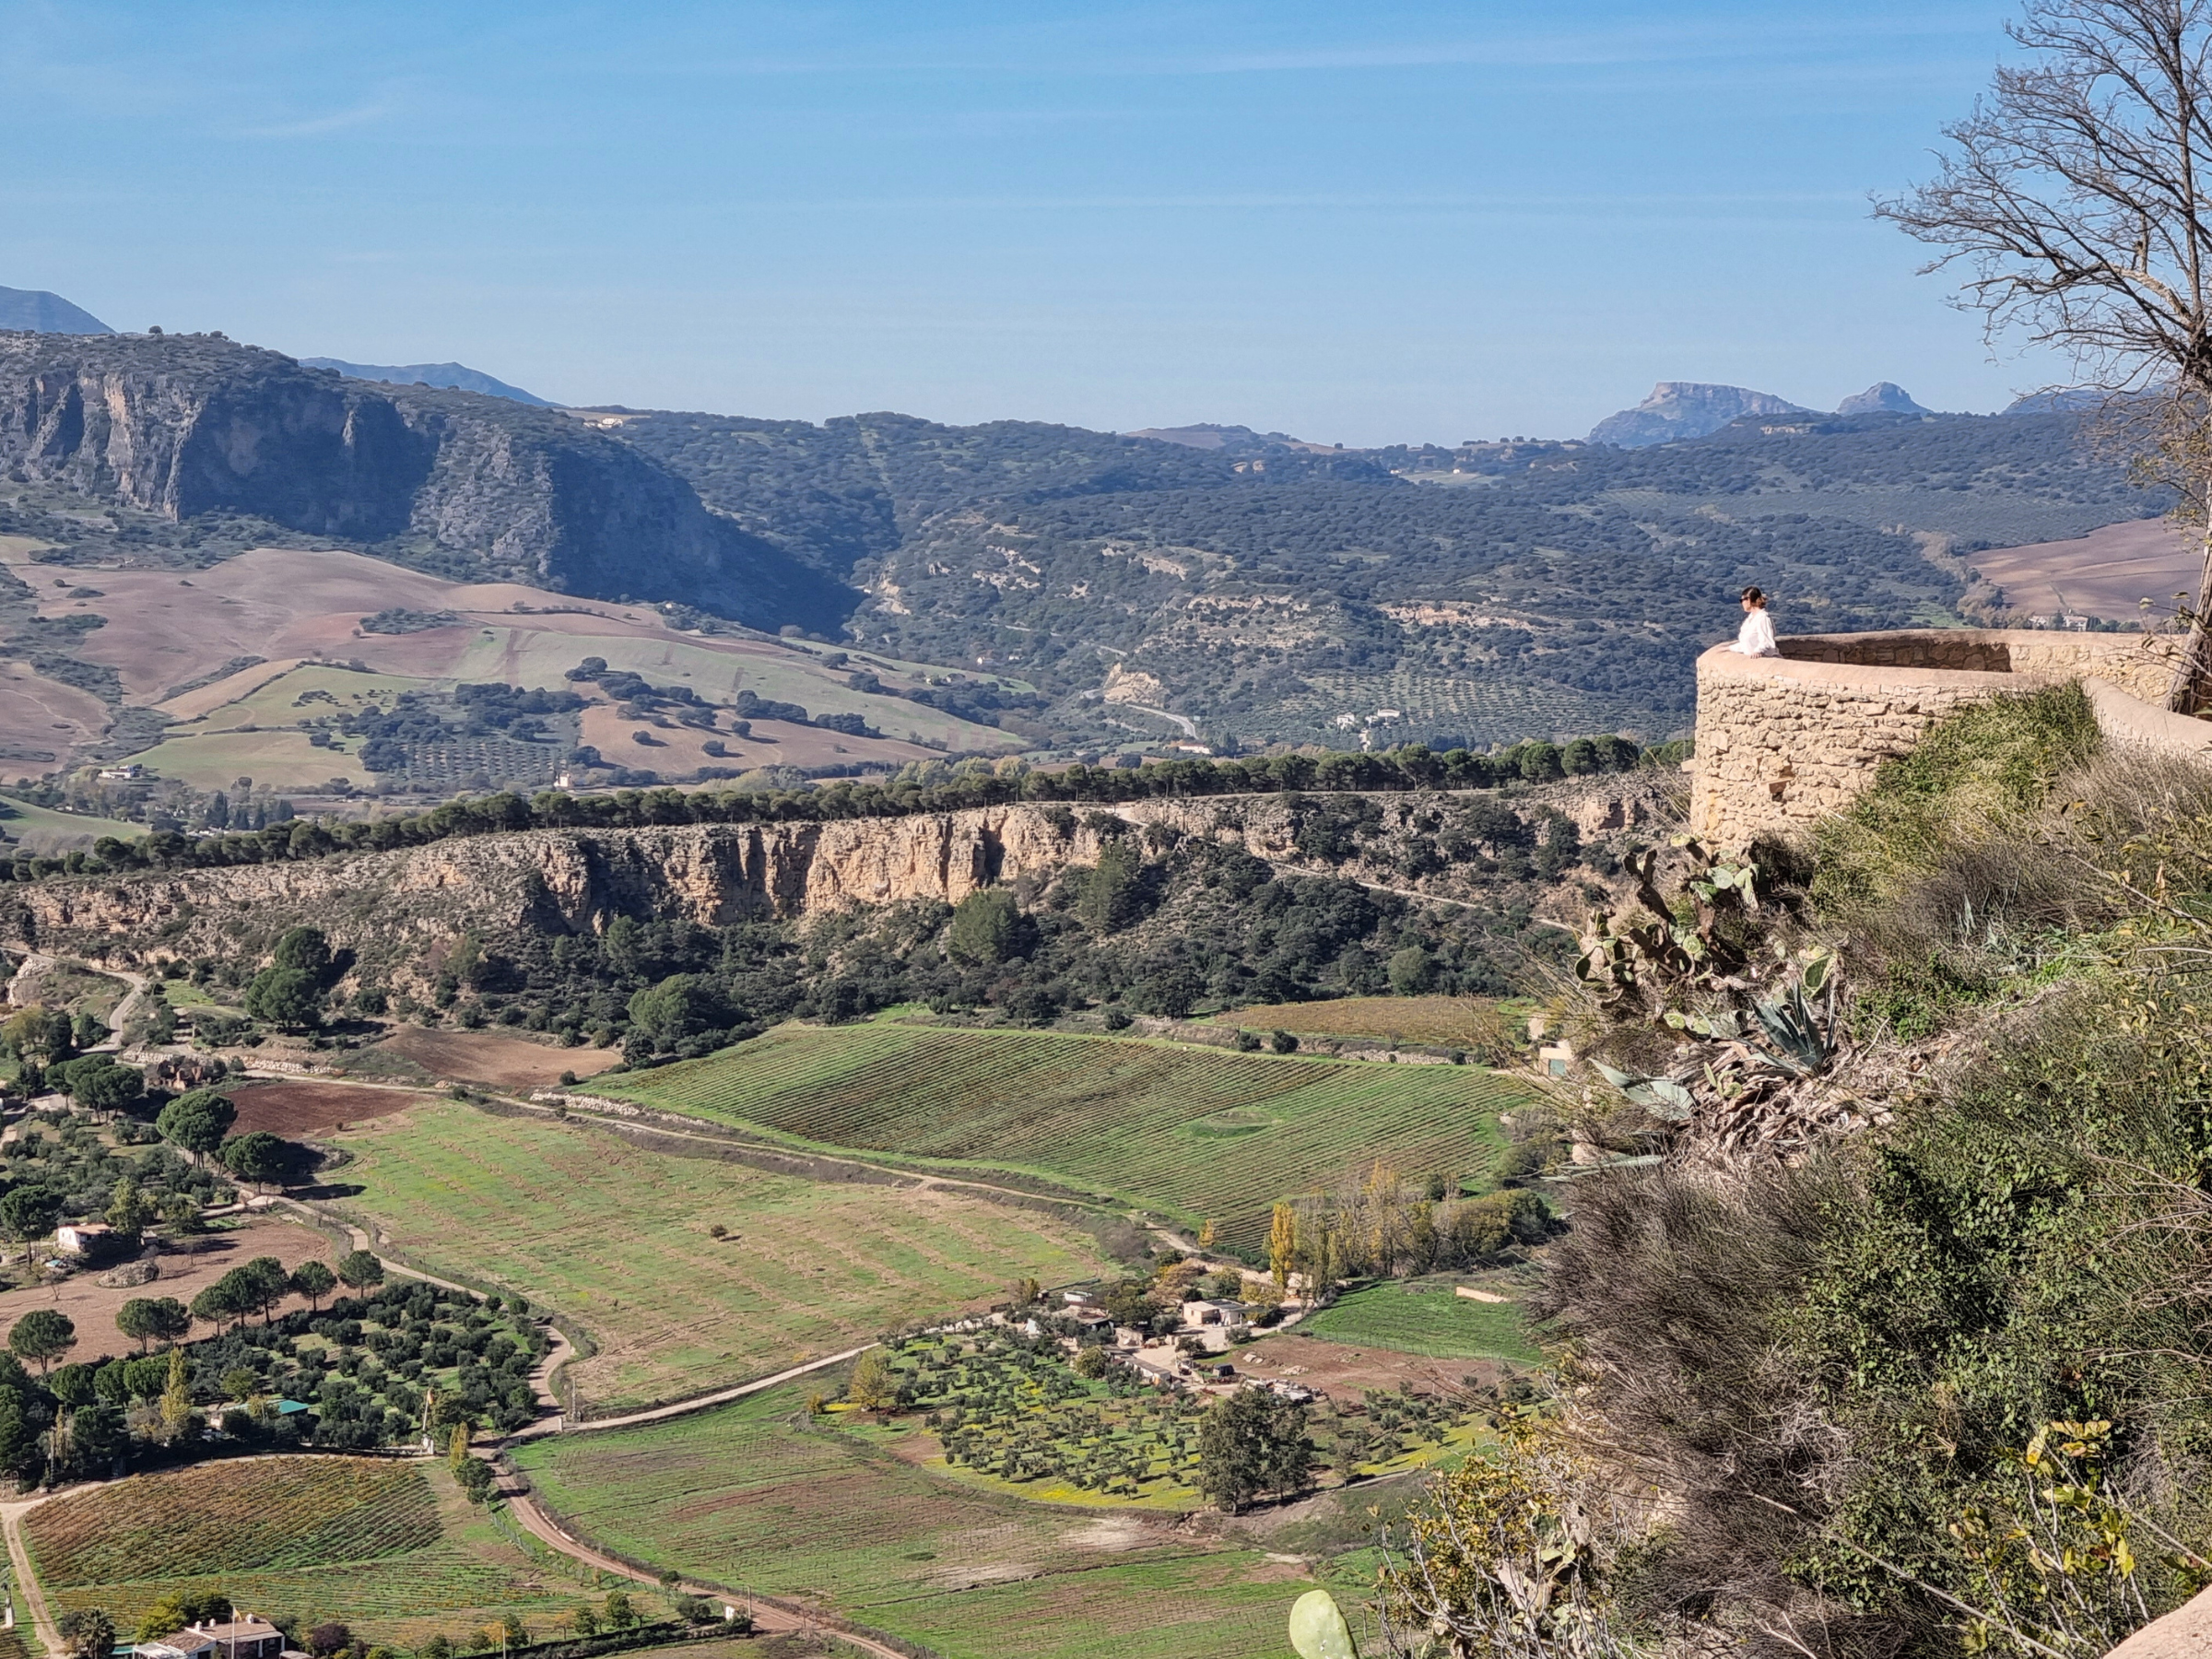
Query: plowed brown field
<point x="294" y="1108"/>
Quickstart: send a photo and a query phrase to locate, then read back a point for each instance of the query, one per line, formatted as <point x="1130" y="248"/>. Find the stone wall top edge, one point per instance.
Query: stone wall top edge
<point x="2046" y="637"/>
<point x="1721" y="663"/>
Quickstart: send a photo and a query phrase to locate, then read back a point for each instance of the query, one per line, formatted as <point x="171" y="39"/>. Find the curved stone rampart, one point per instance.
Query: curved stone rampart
<point x="1784" y="741"/>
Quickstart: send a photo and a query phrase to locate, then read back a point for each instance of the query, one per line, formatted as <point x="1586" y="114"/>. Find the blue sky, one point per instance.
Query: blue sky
<point x="1357" y="223"/>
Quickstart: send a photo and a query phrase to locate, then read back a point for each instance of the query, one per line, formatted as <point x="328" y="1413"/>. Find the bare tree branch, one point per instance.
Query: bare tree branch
<point x="2074" y="199"/>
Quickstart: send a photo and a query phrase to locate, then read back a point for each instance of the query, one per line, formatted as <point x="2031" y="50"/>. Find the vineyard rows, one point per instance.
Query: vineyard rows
<point x="271" y="1513"/>
<point x="1119" y="1118"/>
<point x="336" y="1537"/>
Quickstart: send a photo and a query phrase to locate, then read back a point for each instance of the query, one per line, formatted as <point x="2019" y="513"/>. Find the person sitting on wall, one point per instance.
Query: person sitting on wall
<point x="1756" y="636"/>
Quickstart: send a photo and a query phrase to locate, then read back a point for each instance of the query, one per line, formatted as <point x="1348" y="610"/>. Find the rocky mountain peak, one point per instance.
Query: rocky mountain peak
<point x="1678" y="409"/>
<point x="1884" y="397"/>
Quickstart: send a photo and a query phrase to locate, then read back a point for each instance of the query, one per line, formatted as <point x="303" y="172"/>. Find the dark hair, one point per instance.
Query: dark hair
<point x="1754" y="596"/>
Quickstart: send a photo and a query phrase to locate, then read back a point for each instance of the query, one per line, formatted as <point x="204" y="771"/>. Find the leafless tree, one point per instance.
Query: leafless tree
<point x="2079" y="199"/>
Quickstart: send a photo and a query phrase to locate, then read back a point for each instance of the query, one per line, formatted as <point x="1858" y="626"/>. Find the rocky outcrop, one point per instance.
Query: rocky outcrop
<point x="1884" y="397"/>
<point x="398" y="912"/>
<point x="1678" y="409"/>
<point x="188" y="425"/>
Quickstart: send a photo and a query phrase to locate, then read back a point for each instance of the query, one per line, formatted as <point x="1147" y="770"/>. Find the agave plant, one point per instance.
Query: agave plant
<point x="1794" y="1034"/>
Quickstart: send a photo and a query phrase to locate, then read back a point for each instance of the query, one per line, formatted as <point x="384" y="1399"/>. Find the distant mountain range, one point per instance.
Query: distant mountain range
<point x="1680" y="409"/>
<point x="454" y="377"/>
<point x="34" y="311"/>
<point x="1258" y="586"/>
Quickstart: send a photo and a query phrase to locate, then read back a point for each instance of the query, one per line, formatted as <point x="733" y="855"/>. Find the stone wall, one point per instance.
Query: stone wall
<point x="2138" y="664"/>
<point x="1784" y="741"/>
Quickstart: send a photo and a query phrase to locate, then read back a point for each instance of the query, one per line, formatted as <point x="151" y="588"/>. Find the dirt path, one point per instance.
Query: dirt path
<point x="682" y="1407"/>
<point x="768" y="1618"/>
<point x="27" y="1581"/>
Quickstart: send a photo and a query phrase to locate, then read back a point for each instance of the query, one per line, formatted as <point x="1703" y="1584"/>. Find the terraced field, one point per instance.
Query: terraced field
<point x="756" y="1497"/>
<point x="616" y="1237"/>
<point x="375" y="1544"/>
<point x="1195" y="1133"/>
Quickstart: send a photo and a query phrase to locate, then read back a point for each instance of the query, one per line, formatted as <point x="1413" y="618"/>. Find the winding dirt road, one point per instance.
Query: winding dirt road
<point x="27" y="1581"/>
<point x="767" y="1616"/>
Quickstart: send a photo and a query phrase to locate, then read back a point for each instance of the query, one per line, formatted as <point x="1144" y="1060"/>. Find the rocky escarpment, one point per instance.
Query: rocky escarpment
<point x="398" y="913"/>
<point x="185" y="425"/>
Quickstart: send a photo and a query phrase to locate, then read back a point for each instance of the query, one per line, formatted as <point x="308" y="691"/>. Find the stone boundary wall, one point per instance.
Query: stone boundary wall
<point x="1784" y="741"/>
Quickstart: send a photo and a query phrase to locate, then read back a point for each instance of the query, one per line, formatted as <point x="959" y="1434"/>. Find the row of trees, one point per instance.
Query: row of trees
<point x="1385" y="1227"/>
<point x="42" y="1336"/>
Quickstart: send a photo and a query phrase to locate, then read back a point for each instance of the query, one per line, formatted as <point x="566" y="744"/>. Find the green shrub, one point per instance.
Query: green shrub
<point x="1986" y="765"/>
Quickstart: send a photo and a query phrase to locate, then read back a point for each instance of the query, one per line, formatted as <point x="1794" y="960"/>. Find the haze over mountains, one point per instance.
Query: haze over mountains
<point x="1198" y="580"/>
<point x="1681" y="409"/>
<point x="38" y="311"/>
<point x="454" y="377"/>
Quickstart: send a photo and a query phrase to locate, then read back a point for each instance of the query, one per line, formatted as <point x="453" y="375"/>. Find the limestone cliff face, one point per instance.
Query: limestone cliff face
<point x="400" y="912"/>
<point x="185" y="424"/>
<point x="397" y="912"/>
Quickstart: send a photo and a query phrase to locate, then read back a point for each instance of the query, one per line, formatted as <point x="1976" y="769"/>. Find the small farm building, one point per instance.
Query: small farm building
<point x="248" y="1636"/>
<point x="79" y="1237"/>
<point x="1223" y="1313"/>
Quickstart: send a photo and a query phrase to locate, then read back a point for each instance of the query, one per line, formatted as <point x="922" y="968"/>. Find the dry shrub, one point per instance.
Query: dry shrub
<point x="1669" y="1292"/>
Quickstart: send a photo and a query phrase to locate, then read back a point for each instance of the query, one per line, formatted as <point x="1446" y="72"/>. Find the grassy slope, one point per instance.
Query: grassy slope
<point x="280" y="760"/>
<point x="40" y="829"/>
<point x="373" y="1569"/>
<point x="751" y="1496"/>
<point x="1429" y="1321"/>
<point x="616" y="1237"/>
<point x="1194" y="1132"/>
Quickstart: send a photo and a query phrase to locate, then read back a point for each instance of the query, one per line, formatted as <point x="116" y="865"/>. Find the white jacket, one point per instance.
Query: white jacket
<point x="1757" y="636"/>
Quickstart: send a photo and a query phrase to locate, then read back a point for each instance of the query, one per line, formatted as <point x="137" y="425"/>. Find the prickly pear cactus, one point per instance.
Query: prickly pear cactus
<point x="1317" y="1628"/>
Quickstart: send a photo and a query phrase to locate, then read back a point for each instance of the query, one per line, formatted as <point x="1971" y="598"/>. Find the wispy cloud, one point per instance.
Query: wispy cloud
<point x="315" y="127"/>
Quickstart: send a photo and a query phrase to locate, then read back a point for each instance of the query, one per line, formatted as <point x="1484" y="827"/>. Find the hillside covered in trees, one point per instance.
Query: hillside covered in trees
<point x="1485" y="594"/>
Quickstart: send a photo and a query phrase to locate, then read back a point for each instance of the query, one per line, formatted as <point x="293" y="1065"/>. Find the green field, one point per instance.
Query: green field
<point x="757" y="1497"/>
<point x="527" y="655"/>
<point x="1196" y="1133"/>
<point x="49" y="833"/>
<point x="616" y="1237"/>
<point x="1424" y="1317"/>
<point x="290" y="698"/>
<point x="390" y="1549"/>
<point x="281" y="761"/>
